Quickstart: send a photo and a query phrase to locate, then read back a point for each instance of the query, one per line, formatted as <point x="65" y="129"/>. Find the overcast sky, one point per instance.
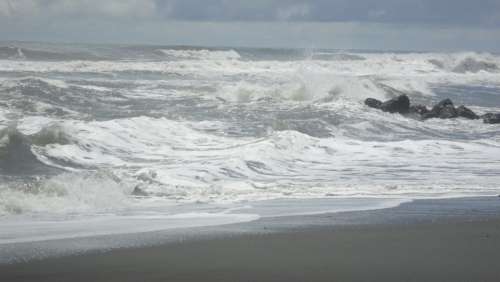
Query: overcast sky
<point x="344" y="24"/>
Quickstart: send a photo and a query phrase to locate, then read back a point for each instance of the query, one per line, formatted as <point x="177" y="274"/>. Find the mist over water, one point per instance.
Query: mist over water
<point x="82" y="126"/>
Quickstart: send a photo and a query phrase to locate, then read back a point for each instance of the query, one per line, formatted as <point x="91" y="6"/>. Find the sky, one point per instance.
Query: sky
<point x="433" y="25"/>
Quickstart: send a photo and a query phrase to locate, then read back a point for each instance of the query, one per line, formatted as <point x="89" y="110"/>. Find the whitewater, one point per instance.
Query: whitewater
<point x="99" y="140"/>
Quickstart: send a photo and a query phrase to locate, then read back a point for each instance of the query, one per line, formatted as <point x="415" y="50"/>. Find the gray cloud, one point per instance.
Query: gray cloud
<point x="52" y="9"/>
<point x="361" y="24"/>
<point x="452" y="12"/>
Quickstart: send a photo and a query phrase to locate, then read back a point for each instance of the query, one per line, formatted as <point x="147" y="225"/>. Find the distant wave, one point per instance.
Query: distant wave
<point x="468" y="63"/>
<point x="201" y="54"/>
<point x="20" y="53"/>
<point x="473" y="65"/>
<point x="335" y="56"/>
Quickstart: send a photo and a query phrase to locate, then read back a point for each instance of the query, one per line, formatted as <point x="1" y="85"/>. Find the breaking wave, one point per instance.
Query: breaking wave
<point x="16" y="149"/>
<point x="468" y="63"/>
<point x="65" y="194"/>
<point x="179" y="162"/>
<point x="197" y="125"/>
<point x="21" y="53"/>
<point x="201" y="54"/>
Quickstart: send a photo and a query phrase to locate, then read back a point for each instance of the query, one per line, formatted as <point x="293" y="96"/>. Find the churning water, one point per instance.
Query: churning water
<point x="152" y="132"/>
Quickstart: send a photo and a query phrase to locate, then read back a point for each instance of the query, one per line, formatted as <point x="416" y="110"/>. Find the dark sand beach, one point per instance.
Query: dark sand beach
<point x="444" y="243"/>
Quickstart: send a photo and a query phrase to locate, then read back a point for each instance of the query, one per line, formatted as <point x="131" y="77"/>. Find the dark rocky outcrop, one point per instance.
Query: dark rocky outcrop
<point x="491" y="118"/>
<point x="373" y="103"/>
<point x="418" y="109"/>
<point x="465" y="112"/>
<point x="443" y="110"/>
<point x="400" y="104"/>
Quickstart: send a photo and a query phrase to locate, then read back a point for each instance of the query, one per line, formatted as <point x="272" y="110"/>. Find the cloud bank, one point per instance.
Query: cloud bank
<point x="434" y="24"/>
<point x="459" y="12"/>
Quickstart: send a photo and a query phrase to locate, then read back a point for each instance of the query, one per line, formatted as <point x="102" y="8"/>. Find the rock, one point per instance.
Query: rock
<point x="445" y="102"/>
<point x="373" y="103"/>
<point x="139" y="192"/>
<point x="448" y="112"/>
<point x="400" y="104"/>
<point x="465" y="112"/>
<point x="491" y="118"/>
<point x="418" y="109"/>
<point x="443" y="110"/>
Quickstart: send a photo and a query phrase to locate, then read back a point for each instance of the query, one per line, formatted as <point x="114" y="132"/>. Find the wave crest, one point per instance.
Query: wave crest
<point x="65" y="193"/>
<point x="466" y="63"/>
<point x="16" y="153"/>
<point x="201" y="54"/>
<point x="22" y="53"/>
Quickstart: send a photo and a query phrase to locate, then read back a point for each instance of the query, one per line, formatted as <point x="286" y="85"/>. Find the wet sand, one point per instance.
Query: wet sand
<point x="441" y="250"/>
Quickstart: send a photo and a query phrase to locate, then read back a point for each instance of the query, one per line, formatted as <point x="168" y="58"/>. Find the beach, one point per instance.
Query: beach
<point x="429" y="240"/>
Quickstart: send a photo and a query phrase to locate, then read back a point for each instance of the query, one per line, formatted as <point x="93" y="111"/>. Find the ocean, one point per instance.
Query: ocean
<point x="111" y="139"/>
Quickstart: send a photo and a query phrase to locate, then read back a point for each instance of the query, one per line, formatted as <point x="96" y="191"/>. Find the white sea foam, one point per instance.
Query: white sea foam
<point x="172" y="160"/>
<point x="65" y="194"/>
<point x="197" y="134"/>
<point x="27" y="80"/>
<point x="296" y="80"/>
<point x="202" y="54"/>
<point x="22" y="229"/>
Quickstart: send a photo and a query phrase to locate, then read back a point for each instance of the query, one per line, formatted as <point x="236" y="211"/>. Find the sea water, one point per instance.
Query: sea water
<point x="100" y="140"/>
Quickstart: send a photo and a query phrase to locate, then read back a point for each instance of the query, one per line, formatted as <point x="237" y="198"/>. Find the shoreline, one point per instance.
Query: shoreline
<point x="424" y="240"/>
<point x="22" y="229"/>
